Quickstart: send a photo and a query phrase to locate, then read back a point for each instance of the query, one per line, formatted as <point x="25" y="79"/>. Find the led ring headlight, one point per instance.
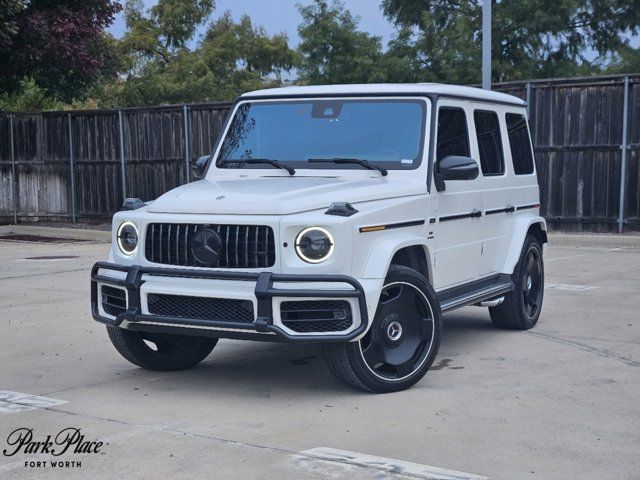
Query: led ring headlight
<point x="314" y="245"/>
<point x="127" y="238"/>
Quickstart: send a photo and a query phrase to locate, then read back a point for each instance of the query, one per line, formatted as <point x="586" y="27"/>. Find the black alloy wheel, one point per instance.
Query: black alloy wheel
<point x="402" y="341"/>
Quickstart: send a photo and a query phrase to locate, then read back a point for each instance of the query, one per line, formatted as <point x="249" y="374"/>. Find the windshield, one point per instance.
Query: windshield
<point x="389" y="133"/>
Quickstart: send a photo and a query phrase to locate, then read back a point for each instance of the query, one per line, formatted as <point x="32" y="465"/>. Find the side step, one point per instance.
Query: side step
<point x="474" y="292"/>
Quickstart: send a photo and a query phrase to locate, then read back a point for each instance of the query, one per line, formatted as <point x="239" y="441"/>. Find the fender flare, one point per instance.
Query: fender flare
<point x="520" y="230"/>
<point x="382" y="251"/>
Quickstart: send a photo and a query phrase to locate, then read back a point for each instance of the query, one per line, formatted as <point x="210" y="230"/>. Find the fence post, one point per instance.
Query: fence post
<point x="623" y="159"/>
<point x="122" y="162"/>
<point x="185" y="113"/>
<point x="14" y="178"/>
<point x="528" y="97"/>
<point x="74" y="218"/>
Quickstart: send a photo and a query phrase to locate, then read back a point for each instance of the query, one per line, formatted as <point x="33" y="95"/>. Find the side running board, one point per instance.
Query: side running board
<point x="474" y="292"/>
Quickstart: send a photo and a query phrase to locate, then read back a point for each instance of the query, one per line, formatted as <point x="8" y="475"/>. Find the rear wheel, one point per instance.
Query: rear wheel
<point x="521" y="307"/>
<point x="159" y="351"/>
<point x="401" y="343"/>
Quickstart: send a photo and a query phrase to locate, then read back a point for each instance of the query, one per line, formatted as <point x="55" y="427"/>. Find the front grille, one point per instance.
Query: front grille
<point x="114" y="300"/>
<point x="202" y="308"/>
<point x="242" y="246"/>
<point x="316" y="315"/>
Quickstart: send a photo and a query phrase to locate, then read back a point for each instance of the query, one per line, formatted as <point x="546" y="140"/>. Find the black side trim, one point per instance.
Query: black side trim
<point x="389" y="226"/>
<point x="524" y="207"/>
<point x="474" y="292"/>
<point x="474" y="214"/>
<point x="493" y="212"/>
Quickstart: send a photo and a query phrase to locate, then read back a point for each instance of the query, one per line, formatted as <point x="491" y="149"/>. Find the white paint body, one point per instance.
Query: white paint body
<point x="457" y="252"/>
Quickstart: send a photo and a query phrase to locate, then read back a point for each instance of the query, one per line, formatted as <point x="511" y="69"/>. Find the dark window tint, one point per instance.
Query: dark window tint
<point x="489" y="142"/>
<point x="453" y="137"/>
<point x="520" y="144"/>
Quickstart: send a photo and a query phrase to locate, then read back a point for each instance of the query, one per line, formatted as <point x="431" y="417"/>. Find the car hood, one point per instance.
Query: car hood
<point x="280" y="195"/>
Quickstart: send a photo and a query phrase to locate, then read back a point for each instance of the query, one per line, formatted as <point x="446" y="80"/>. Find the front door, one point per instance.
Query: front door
<point x="458" y="231"/>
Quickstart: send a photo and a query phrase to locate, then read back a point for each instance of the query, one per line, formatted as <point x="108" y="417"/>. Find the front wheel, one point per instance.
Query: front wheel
<point x="401" y="343"/>
<point x="159" y="351"/>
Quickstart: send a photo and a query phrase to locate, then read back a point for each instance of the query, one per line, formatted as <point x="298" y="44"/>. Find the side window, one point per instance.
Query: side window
<point x="453" y="136"/>
<point x="489" y="142"/>
<point x="520" y="144"/>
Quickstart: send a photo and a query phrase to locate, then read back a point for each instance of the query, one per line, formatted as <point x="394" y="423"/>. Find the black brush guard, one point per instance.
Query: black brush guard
<point x="264" y="292"/>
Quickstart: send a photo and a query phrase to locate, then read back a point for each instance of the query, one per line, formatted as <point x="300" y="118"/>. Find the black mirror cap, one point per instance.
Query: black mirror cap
<point x="198" y="166"/>
<point x="132" y="204"/>
<point x="455" y="167"/>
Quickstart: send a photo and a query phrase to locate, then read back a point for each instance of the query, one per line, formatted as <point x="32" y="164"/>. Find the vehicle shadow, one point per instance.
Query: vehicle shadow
<point x="260" y="369"/>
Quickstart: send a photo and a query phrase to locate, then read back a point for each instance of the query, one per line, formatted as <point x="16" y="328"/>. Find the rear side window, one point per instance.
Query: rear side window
<point x="520" y="144"/>
<point x="489" y="142"/>
<point x="453" y="136"/>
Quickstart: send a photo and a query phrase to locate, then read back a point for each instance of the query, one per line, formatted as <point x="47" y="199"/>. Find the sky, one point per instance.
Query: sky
<point x="278" y="16"/>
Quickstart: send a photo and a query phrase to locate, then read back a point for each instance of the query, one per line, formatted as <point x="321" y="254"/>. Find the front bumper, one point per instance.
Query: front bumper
<point x="132" y="278"/>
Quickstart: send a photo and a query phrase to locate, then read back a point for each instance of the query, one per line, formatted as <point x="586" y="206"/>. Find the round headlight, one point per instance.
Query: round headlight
<point x="314" y="244"/>
<point x="127" y="238"/>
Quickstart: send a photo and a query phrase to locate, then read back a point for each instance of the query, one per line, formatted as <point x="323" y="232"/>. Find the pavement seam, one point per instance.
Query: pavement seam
<point x="585" y="347"/>
<point x="227" y="441"/>
<point x="42" y="274"/>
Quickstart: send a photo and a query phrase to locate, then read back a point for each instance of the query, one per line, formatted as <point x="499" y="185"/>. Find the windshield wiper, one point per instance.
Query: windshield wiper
<point x="355" y="161"/>
<point x="274" y="163"/>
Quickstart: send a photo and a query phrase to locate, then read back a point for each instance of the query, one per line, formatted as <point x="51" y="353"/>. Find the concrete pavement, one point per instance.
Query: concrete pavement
<point x="557" y="402"/>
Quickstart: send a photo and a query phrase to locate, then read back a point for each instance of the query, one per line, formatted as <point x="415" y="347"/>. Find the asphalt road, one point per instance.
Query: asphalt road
<point x="558" y="402"/>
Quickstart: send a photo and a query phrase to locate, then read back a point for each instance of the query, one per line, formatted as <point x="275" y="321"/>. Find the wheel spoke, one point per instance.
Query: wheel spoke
<point x="404" y="369"/>
<point x="373" y="355"/>
<point x="531" y="263"/>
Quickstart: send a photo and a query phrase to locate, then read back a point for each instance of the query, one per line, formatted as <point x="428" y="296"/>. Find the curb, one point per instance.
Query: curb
<point x="593" y="240"/>
<point x="55" y="232"/>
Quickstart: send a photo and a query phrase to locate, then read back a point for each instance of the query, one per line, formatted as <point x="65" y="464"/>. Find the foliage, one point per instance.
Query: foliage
<point x="533" y="39"/>
<point x="230" y="58"/>
<point x="56" y="53"/>
<point x="332" y="48"/>
<point x="61" y="45"/>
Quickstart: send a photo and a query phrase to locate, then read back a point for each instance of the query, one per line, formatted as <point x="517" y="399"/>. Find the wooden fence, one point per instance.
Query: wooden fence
<point x="79" y="165"/>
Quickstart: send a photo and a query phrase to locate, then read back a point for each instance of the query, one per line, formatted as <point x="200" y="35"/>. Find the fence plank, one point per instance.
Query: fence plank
<point x="576" y="130"/>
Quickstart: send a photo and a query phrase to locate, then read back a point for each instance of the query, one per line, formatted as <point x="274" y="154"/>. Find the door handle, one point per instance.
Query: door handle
<point x="476" y="214"/>
<point x="510" y="209"/>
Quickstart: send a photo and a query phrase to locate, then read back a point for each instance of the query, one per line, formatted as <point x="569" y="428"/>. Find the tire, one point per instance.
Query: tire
<point x="407" y="319"/>
<point x="521" y="307"/>
<point x="172" y="352"/>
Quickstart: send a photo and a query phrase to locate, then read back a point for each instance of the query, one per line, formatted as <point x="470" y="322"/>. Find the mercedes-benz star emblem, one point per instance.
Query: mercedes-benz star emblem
<point x="205" y="247"/>
<point x="394" y="331"/>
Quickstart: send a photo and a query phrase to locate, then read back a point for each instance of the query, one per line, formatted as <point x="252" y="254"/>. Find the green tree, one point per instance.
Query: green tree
<point x="332" y="48"/>
<point x="167" y="65"/>
<point x="532" y="39"/>
<point x="62" y="46"/>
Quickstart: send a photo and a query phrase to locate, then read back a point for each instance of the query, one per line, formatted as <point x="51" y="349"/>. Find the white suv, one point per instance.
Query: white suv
<point x="347" y="215"/>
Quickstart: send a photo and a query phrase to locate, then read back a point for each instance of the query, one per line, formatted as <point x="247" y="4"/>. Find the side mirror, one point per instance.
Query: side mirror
<point x="198" y="166"/>
<point x="455" y="167"/>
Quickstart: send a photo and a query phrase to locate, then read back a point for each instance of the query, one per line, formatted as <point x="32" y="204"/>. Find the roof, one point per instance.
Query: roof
<point x="387" y="89"/>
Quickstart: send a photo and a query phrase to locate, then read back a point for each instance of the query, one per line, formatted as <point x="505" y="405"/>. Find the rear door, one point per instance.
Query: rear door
<point x="489" y="147"/>
<point x="458" y="235"/>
